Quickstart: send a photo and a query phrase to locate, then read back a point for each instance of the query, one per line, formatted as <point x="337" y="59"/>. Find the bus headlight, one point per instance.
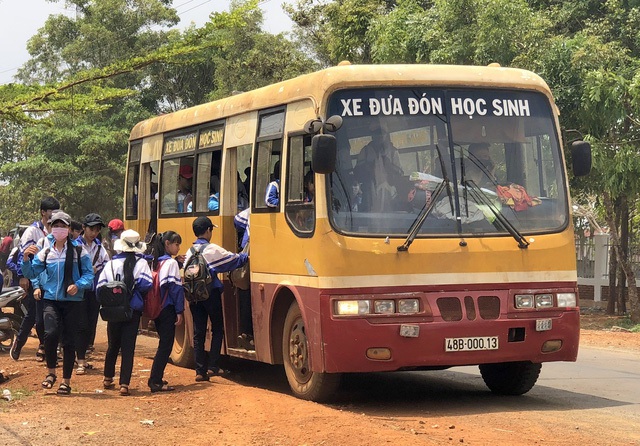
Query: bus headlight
<point x="352" y="307"/>
<point x="544" y="300"/>
<point x="408" y="306"/>
<point x="384" y="306"/>
<point x="525" y="301"/>
<point x="567" y="299"/>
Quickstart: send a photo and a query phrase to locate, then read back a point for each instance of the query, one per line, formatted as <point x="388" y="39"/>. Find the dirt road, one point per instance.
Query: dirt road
<point x="253" y="407"/>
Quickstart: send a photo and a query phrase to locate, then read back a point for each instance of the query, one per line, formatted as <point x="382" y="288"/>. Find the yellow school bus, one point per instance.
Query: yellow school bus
<point x="402" y="217"/>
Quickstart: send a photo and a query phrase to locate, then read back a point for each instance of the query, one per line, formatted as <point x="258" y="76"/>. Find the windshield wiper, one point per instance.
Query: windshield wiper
<point x="429" y="205"/>
<point x="480" y="197"/>
<point x="422" y="216"/>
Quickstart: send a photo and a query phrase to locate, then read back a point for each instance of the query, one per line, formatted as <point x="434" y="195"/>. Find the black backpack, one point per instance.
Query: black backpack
<point x="114" y="297"/>
<point x="196" y="278"/>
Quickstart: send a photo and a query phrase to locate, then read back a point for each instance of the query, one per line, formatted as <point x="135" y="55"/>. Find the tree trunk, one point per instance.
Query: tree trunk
<point x="613" y="289"/>
<point x="634" y="304"/>
<point x="624" y="246"/>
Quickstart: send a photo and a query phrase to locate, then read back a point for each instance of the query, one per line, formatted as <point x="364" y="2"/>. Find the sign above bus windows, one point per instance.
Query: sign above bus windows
<point x="180" y="144"/>
<point x="430" y="102"/>
<point x="211" y="137"/>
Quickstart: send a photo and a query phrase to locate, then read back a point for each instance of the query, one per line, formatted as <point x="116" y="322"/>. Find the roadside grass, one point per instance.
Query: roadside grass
<point x="16" y="395"/>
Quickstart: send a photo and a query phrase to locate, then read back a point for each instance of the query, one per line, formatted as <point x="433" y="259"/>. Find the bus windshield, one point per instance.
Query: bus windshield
<point x="496" y="151"/>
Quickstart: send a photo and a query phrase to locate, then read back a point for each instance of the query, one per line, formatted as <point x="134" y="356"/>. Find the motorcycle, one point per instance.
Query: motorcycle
<point x="12" y="311"/>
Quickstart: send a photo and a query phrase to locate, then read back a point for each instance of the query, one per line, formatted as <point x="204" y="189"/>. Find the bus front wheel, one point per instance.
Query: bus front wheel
<point x="305" y="384"/>
<point x="510" y="378"/>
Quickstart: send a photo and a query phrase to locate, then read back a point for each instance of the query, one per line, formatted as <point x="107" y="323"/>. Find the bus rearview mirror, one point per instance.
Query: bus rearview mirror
<point x="581" y="158"/>
<point x="323" y="153"/>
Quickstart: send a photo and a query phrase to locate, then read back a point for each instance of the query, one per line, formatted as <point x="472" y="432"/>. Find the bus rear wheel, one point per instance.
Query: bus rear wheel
<point x="510" y="378"/>
<point x="305" y="384"/>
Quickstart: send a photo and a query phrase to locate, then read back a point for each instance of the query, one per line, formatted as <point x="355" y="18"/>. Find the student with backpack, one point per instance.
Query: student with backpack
<point x="164" y="304"/>
<point x="37" y="230"/>
<point x="128" y="269"/>
<point x="68" y="273"/>
<point x="203" y="292"/>
<point x="91" y="227"/>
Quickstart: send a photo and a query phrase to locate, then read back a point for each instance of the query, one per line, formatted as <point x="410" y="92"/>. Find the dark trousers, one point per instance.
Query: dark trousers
<point x="87" y="323"/>
<point x="122" y="339"/>
<point x="210" y="309"/>
<point x="33" y="317"/>
<point x="246" y="322"/>
<point x="166" y="328"/>
<point x="60" y="321"/>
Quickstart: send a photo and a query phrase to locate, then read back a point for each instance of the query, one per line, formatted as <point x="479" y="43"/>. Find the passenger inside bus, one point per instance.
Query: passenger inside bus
<point x="480" y="156"/>
<point x="378" y="171"/>
<point x="184" y="188"/>
<point x="272" y="196"/>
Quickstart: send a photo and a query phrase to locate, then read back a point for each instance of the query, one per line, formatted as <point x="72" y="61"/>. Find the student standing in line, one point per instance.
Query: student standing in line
<point x="75" y="230"/>
<point x="30" y="237"/>
<point x="68" y="273"/>
<point x="129" y="263"/>
<point x="219" y="260"/>
<point x="116" y="226"/>
<point x="172" y="295"/>
<point x="91" y="225"/>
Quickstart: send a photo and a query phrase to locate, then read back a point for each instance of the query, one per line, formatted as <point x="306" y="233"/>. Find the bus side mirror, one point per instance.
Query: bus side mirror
<point x="323" y="153"/>
<point x="581" y="158"/>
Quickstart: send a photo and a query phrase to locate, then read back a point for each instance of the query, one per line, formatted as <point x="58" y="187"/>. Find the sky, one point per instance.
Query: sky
<point x="21" y="19"/>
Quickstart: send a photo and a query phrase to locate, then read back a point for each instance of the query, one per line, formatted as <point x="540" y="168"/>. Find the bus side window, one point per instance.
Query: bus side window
<point x="177" y="183"/>
<point x="208" y="182"/>
<point x="266" y="193"/>
<point x="300" y="198"/>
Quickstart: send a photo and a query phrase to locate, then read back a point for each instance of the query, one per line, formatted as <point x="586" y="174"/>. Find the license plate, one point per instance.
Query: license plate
<point x="409" y="331"/>
<point x="543" y="324"/>
<point x="471" y="344"/>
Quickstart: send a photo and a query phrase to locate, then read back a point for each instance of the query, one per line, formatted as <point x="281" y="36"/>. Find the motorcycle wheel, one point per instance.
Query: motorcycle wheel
<point x="7" y="336"/>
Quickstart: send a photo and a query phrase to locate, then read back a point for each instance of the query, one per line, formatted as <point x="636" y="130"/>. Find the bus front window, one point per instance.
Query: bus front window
<point x="495" y="150"/>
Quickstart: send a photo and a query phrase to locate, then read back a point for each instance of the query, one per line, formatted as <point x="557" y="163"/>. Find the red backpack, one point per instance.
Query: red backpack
<point x="153" y="301"/>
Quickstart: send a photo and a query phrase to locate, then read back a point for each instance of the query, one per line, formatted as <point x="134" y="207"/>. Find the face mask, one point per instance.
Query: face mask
<point x="60" y="233"/>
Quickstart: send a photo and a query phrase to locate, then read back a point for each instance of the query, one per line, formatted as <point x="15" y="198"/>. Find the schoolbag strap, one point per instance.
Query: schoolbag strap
<point x="46" y="254"/>
<point x="95" y="258"/>
<point x="79" y="252"/>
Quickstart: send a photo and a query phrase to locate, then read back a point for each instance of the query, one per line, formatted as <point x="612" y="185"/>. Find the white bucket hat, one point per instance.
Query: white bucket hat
<point x="129" y="241"/>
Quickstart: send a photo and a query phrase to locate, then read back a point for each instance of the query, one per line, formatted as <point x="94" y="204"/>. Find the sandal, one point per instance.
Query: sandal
<point x="64" y="389"/>
<point x="49" y="381"/>
<point x="161" y="387"/>
<point x="124" y="390"/>
<point x="40" y="354"/>
<point x="82" y="369"/>
<point x="107" y="383"/>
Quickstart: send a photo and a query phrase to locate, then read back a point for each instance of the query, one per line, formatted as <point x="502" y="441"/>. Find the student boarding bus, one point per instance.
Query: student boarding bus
<point x="422" y="219"/>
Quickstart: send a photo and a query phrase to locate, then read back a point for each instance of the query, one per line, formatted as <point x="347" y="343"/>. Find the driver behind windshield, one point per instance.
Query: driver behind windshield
<point x="378" y="171"/>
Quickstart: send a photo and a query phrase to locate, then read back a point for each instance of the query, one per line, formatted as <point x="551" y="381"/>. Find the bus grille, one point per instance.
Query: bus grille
<point x="489" y="307"/>
<point x="451" y="308"/>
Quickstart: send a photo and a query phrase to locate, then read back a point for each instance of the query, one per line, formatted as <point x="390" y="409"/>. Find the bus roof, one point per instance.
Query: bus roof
<point x="315" y="85"/>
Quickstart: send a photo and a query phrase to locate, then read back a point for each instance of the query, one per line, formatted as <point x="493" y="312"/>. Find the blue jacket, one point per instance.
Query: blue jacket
<point x="52" y="282"/>
<point x="272" y="197"/>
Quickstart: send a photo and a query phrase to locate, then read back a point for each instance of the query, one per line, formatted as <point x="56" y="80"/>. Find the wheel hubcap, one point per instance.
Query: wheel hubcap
<point x="298" y="357"/>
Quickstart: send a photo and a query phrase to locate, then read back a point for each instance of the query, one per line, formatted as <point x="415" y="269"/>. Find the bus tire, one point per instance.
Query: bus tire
<point x="182" y="353"/>
<point x="305" y="384"/>
<point x="510" y="378"/>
